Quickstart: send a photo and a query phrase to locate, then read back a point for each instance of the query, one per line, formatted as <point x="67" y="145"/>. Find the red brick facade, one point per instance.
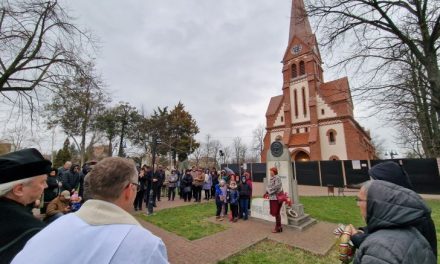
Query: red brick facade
<point x="313" y="117"/>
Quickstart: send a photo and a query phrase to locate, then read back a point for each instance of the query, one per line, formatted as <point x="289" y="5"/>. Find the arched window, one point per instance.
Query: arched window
<point x="304" y="101"/>
<point x="282" y="119"/>
<point x="294" y="71"/>
<point x="334" y="157"/>
<point x="302" y="68"/>
<point x="331" y="134"/>
<point x="295" y="97"/>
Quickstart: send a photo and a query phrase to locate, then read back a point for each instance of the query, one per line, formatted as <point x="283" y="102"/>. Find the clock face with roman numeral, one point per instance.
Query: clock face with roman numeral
<point x="296" y="49"/>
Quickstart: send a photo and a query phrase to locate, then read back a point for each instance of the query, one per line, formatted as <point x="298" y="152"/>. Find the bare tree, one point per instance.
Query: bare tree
<point x="237" y="146"/>
<point x="396" y="45"/>
<point x="382" y="30"/>
<point x="207" y="149"/>
<point x="197" y="154"/>
<point x="75" y="106"/>
<point x="258" y="139"/>
<point x="227" y="154"/>
<point x="40" y="46"/>
<point x="216" y="146"/>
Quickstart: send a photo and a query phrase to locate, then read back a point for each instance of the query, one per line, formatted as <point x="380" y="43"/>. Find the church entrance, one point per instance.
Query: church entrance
<point x="301" y="156"/>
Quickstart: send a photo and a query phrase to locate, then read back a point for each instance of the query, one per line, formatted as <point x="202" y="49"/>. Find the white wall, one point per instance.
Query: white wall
<point x="298" y="86"/>
<point x="339" y="149"/>
<point x="274" y="134"/>
<point x="280" y="114"/>
<point x="328" y="112"/>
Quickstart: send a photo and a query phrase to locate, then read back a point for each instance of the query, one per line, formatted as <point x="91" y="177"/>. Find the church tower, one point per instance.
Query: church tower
<point x="314" y="118"/>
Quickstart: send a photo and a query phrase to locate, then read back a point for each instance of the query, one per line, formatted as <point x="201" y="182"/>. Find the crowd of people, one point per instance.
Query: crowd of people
<point x="96" y="205"/>
<point x="226" y="188"/>
<point x="101" y="230"/>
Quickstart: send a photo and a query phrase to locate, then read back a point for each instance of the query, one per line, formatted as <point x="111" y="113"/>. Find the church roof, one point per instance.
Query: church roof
<point x="274" y="104"/>
<point x="337" y="90"/>
<point x="299" y="23"/>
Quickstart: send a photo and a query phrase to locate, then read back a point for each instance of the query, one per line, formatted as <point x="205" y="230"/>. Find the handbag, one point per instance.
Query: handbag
<point x="281" y="197"/>
<point x="187" y="189"/>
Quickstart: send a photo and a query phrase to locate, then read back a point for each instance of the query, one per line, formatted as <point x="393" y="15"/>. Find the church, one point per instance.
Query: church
<point x="314" y="118"/>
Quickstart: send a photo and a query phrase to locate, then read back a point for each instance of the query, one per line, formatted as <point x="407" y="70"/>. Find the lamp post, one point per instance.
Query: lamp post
<point x="391" y="153"/>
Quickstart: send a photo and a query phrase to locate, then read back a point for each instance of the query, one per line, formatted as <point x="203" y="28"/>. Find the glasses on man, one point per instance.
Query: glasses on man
<point x="137" y="185"/>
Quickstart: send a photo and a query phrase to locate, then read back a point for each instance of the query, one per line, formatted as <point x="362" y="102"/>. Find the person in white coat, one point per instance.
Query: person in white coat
<point x="102" y="231"/>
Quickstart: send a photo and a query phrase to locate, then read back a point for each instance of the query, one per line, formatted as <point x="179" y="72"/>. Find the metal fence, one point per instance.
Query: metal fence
<point x="423" y="173"/>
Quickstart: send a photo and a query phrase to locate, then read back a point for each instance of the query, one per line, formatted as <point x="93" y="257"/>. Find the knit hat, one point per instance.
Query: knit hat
<point x="22" y="164"/>
<point x="66" y="194"/>
<point x="275" y="170"/>
<point x="391" y="172"/>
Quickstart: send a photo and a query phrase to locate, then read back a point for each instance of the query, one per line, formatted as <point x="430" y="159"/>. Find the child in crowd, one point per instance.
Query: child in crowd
<point x="233" y="200"/>
<point x="219" y="200"/>
<point x="245" y="191"/>
<point x="75" y="202"/>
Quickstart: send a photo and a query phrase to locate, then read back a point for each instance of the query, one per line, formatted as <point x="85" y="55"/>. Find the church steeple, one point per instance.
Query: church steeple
<point x="299" y="22"/>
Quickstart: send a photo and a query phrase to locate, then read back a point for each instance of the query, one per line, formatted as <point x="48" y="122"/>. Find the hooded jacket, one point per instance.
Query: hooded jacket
<point x="392" y="212"/>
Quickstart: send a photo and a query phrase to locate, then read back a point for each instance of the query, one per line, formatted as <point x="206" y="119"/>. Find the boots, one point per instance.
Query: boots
<point x="278" y="227"/>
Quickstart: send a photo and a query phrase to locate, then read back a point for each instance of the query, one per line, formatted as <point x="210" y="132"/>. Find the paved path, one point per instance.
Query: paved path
<point x="238" y="236"/>
<point x="317" y="239"/>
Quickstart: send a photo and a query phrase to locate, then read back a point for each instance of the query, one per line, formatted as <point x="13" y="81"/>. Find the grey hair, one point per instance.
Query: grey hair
<point x="366" y="186"/>
<point x="5" y="188"/>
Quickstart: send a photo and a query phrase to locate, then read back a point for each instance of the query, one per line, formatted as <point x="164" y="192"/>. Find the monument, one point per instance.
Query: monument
<point x="293" y="216"/>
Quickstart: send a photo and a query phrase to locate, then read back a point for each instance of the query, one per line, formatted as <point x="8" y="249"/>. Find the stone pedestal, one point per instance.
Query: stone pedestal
<point x="293" y="216"/>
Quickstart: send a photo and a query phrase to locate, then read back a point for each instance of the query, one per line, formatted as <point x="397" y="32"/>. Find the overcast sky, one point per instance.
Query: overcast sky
<point x="220" y="58"/>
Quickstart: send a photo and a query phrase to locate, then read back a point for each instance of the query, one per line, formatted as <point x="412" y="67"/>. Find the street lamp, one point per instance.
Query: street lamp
<point x="391" y="153"/>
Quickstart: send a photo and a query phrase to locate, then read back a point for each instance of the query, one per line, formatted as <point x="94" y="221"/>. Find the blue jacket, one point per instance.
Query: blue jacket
<point x="234" y="195"/>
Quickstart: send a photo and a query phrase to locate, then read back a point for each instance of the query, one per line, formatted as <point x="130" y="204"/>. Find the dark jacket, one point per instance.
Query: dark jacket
<point x="245" y="191"/>
<point x="187" y="180"/>
<point x="52" y="190"/>
<point x="17" y="226"/>
<point x="70" y="180"/>
<point x="160" y="176"/>
<point x="234" y="196"/>
<point x="391" y="213"/>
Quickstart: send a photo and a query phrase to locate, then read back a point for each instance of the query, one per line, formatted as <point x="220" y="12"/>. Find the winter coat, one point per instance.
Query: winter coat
<point x="160" y="176"/>
<point x="56" y="206"/>
<point x="172" y="180"/>
<point x="274" y="186"/>
<point x="245" y="191"/>
<point x="17" y="226"/>
<point x="208" y="182"/>
<point x="233" y="196"/>
<point x="187" y="180"/>
<point x="51" y="192"/>
<point x="199" y="179"/>
<point x="391" y="212"/>
<point x="70" y="180"/>
<point x="215" y="179"/>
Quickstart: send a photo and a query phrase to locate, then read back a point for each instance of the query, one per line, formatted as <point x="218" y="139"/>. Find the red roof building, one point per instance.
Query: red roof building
<point x="313" y="117"/>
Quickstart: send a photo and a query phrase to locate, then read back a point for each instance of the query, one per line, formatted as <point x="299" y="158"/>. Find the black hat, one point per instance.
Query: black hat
<point x="391" y="172"/>
<point x="22" y="164"/>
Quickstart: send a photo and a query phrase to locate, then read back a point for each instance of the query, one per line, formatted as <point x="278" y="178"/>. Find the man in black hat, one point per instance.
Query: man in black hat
<point x="23" y="177"/>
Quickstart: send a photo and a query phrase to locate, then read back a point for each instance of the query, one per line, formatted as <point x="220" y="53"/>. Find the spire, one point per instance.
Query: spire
<point x="299" y="23"/>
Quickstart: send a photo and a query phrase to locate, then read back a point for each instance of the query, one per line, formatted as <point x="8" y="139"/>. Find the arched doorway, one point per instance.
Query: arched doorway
<point x="301" y="156"/>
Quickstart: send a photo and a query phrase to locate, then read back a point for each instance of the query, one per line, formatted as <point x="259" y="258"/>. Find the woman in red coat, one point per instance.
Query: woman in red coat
<point x="275" y="186"/>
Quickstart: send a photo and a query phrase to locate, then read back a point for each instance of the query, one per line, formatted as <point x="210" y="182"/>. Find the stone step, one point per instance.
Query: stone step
<point x="305" y="225"/>
<point x="298" y="220"/>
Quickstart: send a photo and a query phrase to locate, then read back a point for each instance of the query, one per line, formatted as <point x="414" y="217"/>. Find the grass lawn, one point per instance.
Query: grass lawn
<point x="187" y="221"/>
<point x="330" y="209"/>
<point x="268" y="251"/>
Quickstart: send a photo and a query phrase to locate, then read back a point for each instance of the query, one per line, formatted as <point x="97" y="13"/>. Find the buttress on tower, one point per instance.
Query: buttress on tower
<point x="314" y="118"/>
